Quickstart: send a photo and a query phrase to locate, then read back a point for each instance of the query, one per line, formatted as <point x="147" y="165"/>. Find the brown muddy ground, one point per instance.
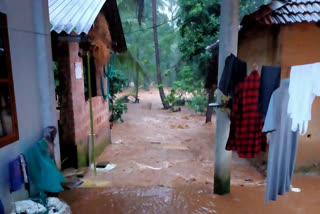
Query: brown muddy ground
<point x="165" y="165"/>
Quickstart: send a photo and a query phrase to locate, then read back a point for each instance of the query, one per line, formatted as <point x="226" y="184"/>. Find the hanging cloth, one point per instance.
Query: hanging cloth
<point x="269" y="82"/>
<point x="15" y="174"/>
<point x="234" y="72"/>
<point x="1" y="208"/>
<point x="304" y="87"/>
<point x="18" y="174"/>
<point x="282" y="146"/>
<point x="108" y="73"/>
<point x="44" y="175"/>
<point x="246" y="122"/>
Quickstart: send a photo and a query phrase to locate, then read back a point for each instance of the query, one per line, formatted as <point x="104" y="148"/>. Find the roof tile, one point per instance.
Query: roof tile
<point x="292" y="11"/>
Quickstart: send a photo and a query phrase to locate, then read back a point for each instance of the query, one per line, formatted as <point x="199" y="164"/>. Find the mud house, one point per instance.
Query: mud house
<point x="75" y="25"/>
<point x="26" y="84"/>
<point x="286" y="34"/>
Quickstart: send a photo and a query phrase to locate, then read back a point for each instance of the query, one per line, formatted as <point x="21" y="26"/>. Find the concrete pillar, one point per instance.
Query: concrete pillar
<point x="228" y="44"/>
<point x="44" y="65"/>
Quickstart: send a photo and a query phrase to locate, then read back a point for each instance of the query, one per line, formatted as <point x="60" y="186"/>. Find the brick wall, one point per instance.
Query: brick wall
<point x="75" y="114"/>
<point x="292" y="44"/>
<point x="301" y="45"/>
<point x="259" y="45"/>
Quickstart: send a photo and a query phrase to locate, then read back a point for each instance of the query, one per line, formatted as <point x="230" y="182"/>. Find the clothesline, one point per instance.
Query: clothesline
<point x="259" y="106"/>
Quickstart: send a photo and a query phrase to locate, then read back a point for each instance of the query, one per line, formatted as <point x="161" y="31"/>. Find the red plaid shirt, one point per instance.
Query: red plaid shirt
<point x="246" y="122"/>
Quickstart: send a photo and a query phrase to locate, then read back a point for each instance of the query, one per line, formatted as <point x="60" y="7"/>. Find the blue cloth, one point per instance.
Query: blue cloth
<point x="269" y="82"/>
<point x="15" y="175"/>
<point x="1" y="208"/>
<point x="44" y="175"/>
<point x="282" y="146"/>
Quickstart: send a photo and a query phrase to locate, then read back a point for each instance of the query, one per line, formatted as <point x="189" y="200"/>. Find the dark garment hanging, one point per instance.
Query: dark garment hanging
<point x="269" y="82"/>
<point x="18" y="172"/>
<point x="15" y="173"/>
<point x="235" y="70"/>
<point x="1" y="208"/>
<point x="246" y="122"/>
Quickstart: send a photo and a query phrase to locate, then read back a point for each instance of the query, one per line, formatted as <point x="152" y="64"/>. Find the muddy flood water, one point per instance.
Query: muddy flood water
<point x="164" y="164"/>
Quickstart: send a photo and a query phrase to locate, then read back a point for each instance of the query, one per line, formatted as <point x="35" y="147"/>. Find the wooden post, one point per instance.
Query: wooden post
<point x="91" y="116"/>
<point x="228" y="44"/>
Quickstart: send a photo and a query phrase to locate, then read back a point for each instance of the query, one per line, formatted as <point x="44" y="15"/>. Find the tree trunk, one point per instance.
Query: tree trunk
<point x="146" y="82"/>
<point x="137" y="88"/>
<point x="210" y="100"/>
<point x="156" y="47"/>
<point x="137" y="79"/>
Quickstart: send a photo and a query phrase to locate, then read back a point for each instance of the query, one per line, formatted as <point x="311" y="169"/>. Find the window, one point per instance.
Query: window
<point x="8" y="116"/>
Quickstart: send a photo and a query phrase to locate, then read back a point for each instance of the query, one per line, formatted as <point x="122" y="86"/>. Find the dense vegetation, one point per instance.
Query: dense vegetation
<point x="184" y="29"/>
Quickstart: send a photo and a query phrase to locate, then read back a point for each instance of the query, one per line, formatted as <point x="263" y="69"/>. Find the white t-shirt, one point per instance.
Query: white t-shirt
<point x="304" y="86"/>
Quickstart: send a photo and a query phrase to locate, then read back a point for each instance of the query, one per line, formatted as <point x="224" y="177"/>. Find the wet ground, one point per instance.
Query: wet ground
<point x="165" y="165"/>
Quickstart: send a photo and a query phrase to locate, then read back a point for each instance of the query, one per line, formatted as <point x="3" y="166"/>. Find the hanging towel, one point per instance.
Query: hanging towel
<point x="234" y="72"/>
<point x="282" y="146"/>
<point x="24" y="169"/>
<point x="1" y="208"/>
<point x="269" y="82"/>
<point x="18" y="174"/>
<point x="25" y="172"/>
<point x="44" y="175"/>
<point x="15" y="175"/>
<point x="304" y="86"/>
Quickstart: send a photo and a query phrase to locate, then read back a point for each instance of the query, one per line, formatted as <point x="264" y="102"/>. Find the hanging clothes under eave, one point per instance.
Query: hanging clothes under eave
<point x="304" y="87"/>
<point x="246" y="122"/>
<point x="234" y="72"/>
<point x="283" y="143"/>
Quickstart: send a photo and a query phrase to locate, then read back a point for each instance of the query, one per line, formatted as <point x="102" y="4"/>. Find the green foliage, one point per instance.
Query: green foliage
<point x="159" y="85"/>
<point x="187" y="83"/>
<point x="199" y="23"/>
<point x="199" y="26"/>
<point x="139" y="39"/>
<point x="173" y="97"/>
<point x="249" y="6"/>
<point x="56" y="75"/>
<point x="184" y="31"/>
<point x="188" y="89"/>
<point x="117" y="106"/>
<point x="199" y="103"/>
<point x="123" y="99"/>
<point x="117" y="109"/>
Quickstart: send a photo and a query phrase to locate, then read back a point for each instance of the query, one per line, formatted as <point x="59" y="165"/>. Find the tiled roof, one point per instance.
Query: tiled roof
<point x="281" y="12"/>
<point x="73" y="15"/>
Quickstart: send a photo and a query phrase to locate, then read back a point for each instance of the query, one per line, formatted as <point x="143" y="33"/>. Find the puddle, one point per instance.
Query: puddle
<point x="193" y="199"/>
<point x="176" y="175"/>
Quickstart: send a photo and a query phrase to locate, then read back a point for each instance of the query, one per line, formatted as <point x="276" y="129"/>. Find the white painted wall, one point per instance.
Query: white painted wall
<point x="30" y="47"/>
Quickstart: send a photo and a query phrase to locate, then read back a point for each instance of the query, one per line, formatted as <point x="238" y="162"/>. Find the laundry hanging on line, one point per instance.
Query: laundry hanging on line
<point x="286" y="110"/>
<point x="304" y="87"/>
<point x="283" y="143"/>
<point x="1" y="208"/>
<point x="269" y="82"/>
<point x="246" y="122"/>
<point x="235" y="71"/>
